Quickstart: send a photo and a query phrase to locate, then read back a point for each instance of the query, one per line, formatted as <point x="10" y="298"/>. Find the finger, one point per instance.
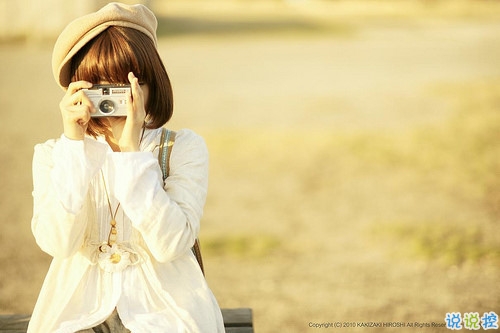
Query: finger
<point x="130" y="103"/>
<point x="84" y="118"/>
<point x="136" y="88"/>
<point x="78" y="98"/>
<point x="76" y="86"/>
<point x="131" y="77"/>
<point x="78" y="112"/>
<point x="75" y="128"/>
<point x="77" y="106"/>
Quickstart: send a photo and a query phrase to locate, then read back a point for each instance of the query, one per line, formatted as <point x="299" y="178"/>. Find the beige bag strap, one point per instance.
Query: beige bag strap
<point x="166" y="143"/>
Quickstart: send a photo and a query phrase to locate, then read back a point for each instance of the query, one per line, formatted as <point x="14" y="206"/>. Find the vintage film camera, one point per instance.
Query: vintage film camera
<point x="109" y="99"/>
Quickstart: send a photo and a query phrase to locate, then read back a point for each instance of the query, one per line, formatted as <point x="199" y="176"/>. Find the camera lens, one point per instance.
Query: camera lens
<point x="107" y="106"/>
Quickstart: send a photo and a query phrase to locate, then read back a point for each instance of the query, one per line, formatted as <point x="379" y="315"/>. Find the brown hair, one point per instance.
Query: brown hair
<point x="111" y="55"/>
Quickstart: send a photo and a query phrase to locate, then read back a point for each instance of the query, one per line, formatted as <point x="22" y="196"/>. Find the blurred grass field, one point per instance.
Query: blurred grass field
<point x="355" y="171"/>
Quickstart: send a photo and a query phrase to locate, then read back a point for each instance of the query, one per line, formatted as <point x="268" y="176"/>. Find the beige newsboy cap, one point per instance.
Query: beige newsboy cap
<point x="80" y="31"/>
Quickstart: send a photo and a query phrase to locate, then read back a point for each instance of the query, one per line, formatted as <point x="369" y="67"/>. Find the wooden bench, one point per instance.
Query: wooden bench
<point x="235" y="320"/>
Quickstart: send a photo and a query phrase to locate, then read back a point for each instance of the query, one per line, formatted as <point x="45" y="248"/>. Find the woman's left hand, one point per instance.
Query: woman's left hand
<point x="136" y="114"/>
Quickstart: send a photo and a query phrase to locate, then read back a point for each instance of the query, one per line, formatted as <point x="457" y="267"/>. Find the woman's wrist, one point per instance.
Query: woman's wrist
<point x="130" y="144"/>
<point x="74" y="134"/>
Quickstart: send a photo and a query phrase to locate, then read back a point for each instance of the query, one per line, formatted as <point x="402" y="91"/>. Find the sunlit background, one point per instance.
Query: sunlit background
<point x="355" y="170"/>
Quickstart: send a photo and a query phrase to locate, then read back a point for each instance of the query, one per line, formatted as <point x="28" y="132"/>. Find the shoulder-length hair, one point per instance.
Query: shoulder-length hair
<point x="110" y="56"/>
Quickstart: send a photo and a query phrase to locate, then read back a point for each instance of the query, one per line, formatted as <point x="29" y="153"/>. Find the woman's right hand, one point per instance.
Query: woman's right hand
<point x="76" y="108"/>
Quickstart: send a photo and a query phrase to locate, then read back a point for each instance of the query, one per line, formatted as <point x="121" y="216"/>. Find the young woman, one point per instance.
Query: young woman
<point x="119" y="235"/>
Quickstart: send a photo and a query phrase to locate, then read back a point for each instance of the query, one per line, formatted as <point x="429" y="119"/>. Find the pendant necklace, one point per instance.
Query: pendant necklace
<point x="112" y="237"/>
<point x="111" y="250"/>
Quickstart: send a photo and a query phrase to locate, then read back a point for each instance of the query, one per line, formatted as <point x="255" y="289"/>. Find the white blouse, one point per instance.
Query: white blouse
<point x="160" y="288"/>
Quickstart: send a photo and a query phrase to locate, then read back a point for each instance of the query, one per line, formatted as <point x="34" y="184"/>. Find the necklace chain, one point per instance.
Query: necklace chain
<point x="112" y="237"/>
<point x="113" y="231"/>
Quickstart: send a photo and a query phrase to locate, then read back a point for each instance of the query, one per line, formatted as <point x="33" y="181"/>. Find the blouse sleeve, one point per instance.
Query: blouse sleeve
<point x="62" y="171"/>
<point x="168" y="217"/>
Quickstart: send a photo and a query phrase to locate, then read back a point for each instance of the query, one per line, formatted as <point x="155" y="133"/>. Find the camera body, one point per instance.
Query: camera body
<point x="110" y="100"/>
